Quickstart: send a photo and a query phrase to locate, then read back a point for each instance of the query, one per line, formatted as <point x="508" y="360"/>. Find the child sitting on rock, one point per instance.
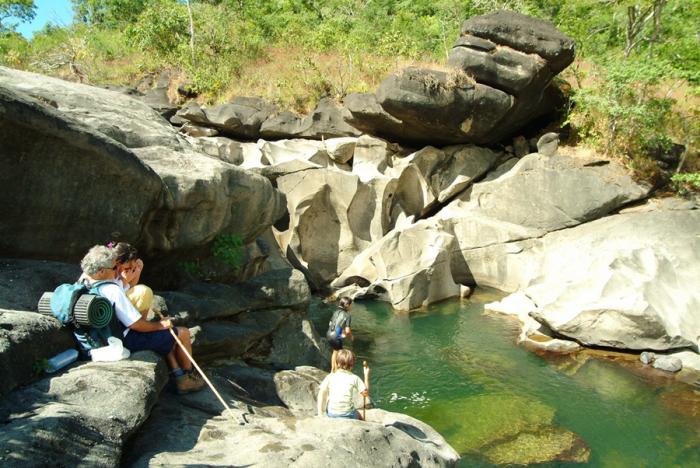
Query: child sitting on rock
<point x="129" y="268"/>
<point x="341" y="389"/>
<point x="339" y="328"/>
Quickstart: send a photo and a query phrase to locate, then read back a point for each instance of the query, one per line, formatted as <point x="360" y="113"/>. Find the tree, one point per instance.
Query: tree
<point x="110" y="13"/>
<point x="22" y="10"/>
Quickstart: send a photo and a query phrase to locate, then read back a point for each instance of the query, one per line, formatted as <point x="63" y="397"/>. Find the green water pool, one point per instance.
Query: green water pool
<point x="460" y="371"/>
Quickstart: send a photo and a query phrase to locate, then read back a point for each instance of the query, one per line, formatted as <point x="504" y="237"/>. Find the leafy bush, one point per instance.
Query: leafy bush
<point x="229" y="248"/>
<point x="686" y="183"/>
<point x="627" y="111"/>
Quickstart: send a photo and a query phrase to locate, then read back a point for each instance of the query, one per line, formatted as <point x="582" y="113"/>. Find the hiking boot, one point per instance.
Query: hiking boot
<point x="188" y="384"/>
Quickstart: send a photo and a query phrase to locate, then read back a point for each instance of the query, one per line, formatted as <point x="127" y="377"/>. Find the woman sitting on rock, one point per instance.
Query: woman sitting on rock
<point x="100" y="264"/>
<point x="341" y="389"/>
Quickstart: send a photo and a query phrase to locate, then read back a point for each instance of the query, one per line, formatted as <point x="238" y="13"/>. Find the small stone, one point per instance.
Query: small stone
<point x="668" y="364"/>
<point x="647" y="357"/>
<point x="548" y="144"/>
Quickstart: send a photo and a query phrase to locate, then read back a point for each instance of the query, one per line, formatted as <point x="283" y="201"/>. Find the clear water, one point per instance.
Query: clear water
<point x="460" y="371"/>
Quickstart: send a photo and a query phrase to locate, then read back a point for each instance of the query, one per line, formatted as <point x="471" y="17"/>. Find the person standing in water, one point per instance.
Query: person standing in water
<point x="339" y="329"/>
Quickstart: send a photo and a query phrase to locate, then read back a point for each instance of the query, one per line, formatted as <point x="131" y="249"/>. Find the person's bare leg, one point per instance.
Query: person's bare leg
<point x="172" y="360"/>
<point x="334" y="364"/>
<point x="183" y="334"/>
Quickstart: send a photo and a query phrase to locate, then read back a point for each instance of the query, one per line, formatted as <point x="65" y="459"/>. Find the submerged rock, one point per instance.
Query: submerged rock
<point x="511" y="430"/>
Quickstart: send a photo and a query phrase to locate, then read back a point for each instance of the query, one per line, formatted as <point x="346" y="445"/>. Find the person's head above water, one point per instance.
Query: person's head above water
<point x="345" y="359"/>
<point x="345" y="303"/>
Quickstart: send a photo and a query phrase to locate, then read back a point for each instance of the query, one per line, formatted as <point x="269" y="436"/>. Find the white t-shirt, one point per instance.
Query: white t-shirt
<point x="344" y="388"/>
<point x="125" y="310"/>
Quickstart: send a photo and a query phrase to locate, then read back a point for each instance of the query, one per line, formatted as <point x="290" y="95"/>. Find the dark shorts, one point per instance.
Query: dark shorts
<point x="161" y="341"/>
<point x="334" y="342"/>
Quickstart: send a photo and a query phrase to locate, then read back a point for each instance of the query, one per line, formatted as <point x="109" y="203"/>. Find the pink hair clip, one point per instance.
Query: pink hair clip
<point x="110" y="245"/>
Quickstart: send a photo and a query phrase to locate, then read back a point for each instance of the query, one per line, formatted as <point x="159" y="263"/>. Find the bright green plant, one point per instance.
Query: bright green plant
<point x="686" y="183"/>
<point x="40" y="366"/>
<point x="192" y="268"/>
<point x="229" y="248"/>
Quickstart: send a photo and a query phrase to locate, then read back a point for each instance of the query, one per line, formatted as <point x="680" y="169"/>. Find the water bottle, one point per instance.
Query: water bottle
<point x="61" y="360"/>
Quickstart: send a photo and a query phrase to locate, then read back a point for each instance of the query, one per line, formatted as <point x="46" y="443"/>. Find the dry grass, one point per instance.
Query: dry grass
<point x="296" y="79"/>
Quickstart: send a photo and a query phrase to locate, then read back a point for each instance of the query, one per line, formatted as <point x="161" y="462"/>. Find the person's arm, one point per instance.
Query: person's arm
<point x="322" y="398"/>
<point x="144" y="326"/>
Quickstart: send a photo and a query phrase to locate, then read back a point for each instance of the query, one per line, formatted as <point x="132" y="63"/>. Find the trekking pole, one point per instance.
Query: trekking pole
<point x="365" y="368"/>
<point x="196" y="366"/>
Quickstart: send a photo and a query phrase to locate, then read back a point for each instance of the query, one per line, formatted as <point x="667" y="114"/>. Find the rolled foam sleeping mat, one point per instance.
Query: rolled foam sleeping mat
<point x="93" y="311"/>
<point x="44" y="306"/>
<point x="89" y="310"/>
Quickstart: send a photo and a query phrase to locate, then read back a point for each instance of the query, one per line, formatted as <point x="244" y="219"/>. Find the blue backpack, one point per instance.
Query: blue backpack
<point x="63" y="302"/>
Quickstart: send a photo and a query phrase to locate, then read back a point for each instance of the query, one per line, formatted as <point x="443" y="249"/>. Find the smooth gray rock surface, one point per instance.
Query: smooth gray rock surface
<point x="624" y="281"/>
<point x="273" y="436"/>
<point x="26" y="338"/>
<point x="81" y="417"/>
<point x="64" y="138"/>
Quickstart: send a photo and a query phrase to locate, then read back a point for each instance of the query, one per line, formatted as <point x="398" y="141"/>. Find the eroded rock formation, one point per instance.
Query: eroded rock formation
<point x="84" y="164"/>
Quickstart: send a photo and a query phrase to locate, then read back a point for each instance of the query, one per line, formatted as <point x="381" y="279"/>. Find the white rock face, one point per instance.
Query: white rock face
<point x="341" y="149"/>
<point x="626" y="281"/>
<point x="332" y="218"/>
<point x="409" y="267"/>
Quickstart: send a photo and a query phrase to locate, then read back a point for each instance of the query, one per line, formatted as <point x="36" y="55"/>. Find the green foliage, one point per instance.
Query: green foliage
<point x="229" y="248"/>
<point x="20" y="10"/>
<point x="162" y="28"/>
<point x="622" y="93"/>
<point x="624" y="111"/>
<point x="110" y="13"/>
<point x="192" y="268"/>
<point x="686" y="183"/>
<point x="40" y="366"/>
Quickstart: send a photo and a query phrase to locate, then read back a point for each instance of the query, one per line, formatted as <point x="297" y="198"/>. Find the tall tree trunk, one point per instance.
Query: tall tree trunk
<point x="658" y="10"/>
<point x="189" y="12"/>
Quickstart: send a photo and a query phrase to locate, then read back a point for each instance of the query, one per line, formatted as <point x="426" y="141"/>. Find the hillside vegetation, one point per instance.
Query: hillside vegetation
<point x="634" y="87"/>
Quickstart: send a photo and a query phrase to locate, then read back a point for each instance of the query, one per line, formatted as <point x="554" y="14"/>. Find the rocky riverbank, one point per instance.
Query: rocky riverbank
<point x="413" y="194"/>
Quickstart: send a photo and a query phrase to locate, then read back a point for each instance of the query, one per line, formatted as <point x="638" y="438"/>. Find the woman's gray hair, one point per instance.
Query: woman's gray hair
<point x="97" y="258"/>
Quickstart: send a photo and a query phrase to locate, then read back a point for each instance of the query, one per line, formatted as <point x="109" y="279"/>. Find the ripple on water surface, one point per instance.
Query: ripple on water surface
<point x="459" y="370"/>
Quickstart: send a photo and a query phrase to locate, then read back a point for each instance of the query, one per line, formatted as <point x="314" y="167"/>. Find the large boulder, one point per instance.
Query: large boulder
<point x="496" y="219"/>
<point x="626" y="281"/>
<point x="26" y="339"/>
<point x="240" y="118"/>
<point x="328" y="120"/>
<point x="501" y="69"/>
<point x="73" y="140"/>
<point x="409" y="267"/>
<point x="477" y="237"/>
<point x="82" y="417"/>
<point x="332" y="218"/>
<point x="200" y="301"/>
<point x="278" y="439"/>
<point x="115" y="115"/>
